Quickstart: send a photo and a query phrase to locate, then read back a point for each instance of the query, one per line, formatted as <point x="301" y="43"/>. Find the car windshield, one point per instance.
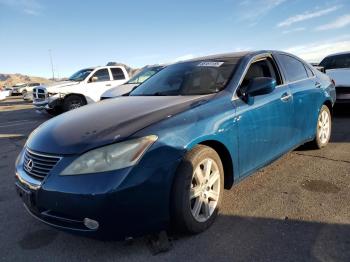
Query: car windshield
<point x="81" y="74"/>
<point x="189" y="78"/>
<point x="144" y="75"/>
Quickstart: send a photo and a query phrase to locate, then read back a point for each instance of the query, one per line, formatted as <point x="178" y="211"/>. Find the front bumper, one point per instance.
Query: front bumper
<point x="127" y="202"/>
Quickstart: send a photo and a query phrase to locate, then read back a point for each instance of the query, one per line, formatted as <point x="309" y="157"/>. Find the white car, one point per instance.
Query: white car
<point x="337" y="67"/>
<point x="27" y="90"/>
<point x="83" y="87"/>
<point x="134" y="82"/>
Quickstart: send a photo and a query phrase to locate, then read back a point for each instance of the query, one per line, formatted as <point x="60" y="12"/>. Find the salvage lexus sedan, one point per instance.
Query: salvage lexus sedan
<point x="162" y="156"/>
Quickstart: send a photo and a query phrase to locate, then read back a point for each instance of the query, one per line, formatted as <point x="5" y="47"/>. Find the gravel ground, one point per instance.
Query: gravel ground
<point x="296" y="209"/>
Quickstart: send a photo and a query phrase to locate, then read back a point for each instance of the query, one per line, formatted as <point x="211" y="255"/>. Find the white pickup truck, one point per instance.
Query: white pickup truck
<point x="337" y="67"/>
<point x="83" y="87"/>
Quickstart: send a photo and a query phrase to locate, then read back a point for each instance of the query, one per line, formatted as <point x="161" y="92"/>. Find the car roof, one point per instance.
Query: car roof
<point x="234" y="55"/>
<point x="340" y="53"/>
<point x="221" y="56"/>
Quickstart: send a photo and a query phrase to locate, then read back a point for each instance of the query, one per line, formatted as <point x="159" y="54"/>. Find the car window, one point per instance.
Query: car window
<point x="102" y="75"/>
<point x="261" y="68"/>
<point x="337" y="61"/>
<point x="309" y="71"/>
<point x="294" y="68"/>
<point x="117" y="73"/>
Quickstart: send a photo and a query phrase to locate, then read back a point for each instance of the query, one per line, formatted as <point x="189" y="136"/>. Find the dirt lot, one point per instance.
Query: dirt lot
<point x="296" y="209"/>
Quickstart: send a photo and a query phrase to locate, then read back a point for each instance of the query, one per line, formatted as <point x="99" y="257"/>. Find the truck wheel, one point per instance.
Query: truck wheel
<point x="197" y="190"/>
<point x="53" y="112"/>
<point x="72" y="102"/>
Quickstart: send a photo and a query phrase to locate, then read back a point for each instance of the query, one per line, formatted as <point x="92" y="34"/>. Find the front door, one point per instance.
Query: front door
<point x="264" y="124"/>
<point x="97" y="84"/>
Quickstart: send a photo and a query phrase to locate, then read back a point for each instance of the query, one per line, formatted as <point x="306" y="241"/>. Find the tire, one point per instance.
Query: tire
<point x="72" y="102"/>
<point x="183" y="210"/>
<point x="323" y="128"/>
<point x="53" y="112"/>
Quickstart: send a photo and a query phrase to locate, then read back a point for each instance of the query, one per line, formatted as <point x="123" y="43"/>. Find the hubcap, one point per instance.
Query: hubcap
<point x="324" y="127"/>
<point x="205" y="190"/>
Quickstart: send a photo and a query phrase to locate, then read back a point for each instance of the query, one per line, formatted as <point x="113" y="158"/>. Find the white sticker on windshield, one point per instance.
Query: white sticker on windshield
<point x="210" y="63"/>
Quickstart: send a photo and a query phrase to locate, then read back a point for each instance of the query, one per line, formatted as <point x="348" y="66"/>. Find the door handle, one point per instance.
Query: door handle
<point x="286" y="96"/>
<point x="108" y="84"/>
<point x="317" y="84"/>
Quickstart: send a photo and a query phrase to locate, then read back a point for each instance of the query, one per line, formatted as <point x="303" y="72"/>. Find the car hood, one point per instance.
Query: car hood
<point x="118" y="90"/>
<point x="55" y="87"/>
<point x="106" y="122"/>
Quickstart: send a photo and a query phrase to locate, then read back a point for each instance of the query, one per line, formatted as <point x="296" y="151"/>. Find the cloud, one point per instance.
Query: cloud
<point x="315" y="52"/>
<point x="30" y="7"/>
<point x="306" y="16"/>
<point x="252" y="10"/>
<point x="298" y="29"/>
<point x="338" y="23"/>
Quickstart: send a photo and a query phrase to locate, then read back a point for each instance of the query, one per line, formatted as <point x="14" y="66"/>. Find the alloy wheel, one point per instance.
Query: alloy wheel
<point x="324" y="127"/>
<point x="205" y="190"/>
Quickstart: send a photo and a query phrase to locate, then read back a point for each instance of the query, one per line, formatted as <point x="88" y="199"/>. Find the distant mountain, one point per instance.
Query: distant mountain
<point x="12" y="79"/>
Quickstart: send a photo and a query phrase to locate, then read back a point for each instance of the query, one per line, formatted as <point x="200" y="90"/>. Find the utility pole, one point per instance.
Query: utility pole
<point x="53" y="74"/>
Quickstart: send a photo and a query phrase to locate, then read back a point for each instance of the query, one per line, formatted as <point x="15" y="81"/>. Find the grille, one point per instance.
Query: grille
<point x="39" y="93"/>
<point x="38" y="165"/>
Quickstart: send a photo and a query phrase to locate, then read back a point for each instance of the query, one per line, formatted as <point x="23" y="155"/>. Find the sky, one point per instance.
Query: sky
<point x="91" y="33"/>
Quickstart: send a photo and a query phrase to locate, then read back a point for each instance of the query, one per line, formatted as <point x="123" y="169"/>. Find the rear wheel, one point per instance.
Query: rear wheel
<point x="197" y="190"/>
<point x="324" y="128"/>
<point x="72" y="102"/>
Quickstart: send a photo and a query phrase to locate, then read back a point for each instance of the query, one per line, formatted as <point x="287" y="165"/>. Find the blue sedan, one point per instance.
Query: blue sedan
<point x="162" y="157"/>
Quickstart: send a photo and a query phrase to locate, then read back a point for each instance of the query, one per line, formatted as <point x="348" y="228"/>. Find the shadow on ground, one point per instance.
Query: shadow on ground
<point x="231" y="238"/>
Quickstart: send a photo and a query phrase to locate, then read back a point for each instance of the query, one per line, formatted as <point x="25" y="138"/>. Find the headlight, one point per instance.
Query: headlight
<point x="112" y="157"/>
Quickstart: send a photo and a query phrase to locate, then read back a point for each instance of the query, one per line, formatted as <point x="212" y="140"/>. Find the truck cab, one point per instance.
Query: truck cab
<point x="83" y="87"/>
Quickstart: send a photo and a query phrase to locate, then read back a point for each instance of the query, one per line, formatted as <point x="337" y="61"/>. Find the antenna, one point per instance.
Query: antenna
<point x="53" y="74"/>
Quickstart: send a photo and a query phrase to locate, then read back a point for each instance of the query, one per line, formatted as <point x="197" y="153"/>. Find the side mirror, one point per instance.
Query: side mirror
<point x="260" y="86"/>
<point x="94" y="79"/>
<point x="320" y="68"/>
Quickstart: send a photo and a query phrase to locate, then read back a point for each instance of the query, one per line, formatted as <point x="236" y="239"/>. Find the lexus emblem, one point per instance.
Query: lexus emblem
<point x="30" y="165"/>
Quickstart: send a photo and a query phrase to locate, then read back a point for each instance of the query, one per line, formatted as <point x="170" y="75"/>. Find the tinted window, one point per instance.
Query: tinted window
<point x="338" y="61"/>
<point x="34" y="84"/>
<point x="309" y="71"/>
<point x="189" y="78"/>
<point x="144" y="75"/>
<point x="117" y="74"/>
<point x="102" y="75"/>
<point x="295" y="69"/>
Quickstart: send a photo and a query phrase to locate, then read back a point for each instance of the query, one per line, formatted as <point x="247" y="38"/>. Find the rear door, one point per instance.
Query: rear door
<point x="118" y="76"/>
<point x="264" y="125"/>
<point x="306" y="93"/>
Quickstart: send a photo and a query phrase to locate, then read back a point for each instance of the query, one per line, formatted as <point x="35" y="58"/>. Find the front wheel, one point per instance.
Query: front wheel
<point x="324" y="128"/>
<point x="197" y="190"/>
<point x="72" y="102"/>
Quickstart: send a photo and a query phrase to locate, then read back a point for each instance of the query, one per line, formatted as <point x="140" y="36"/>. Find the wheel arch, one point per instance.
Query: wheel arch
<point x="226" y="160"/>
<point x="76" y="94"/>
<point x="329" y="104"/>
